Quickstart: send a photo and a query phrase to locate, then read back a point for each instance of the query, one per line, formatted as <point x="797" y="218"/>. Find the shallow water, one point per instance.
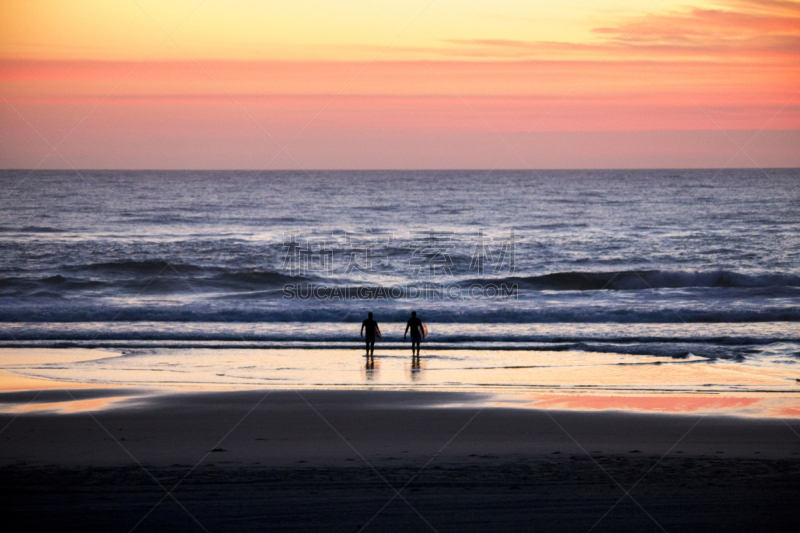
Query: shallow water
<point x="513" y="378"/>
<point x="445" y="369"/>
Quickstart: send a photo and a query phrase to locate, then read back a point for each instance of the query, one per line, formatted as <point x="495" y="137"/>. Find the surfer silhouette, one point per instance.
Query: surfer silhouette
<point x="372" y="330"/>
<point x="417" y="332"/>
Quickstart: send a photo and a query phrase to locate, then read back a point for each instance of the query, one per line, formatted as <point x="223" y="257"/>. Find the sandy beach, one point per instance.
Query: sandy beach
<point x="294" y="460"/>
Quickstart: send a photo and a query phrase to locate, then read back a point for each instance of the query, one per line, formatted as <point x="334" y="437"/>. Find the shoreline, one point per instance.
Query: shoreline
<point x="568" y="381"/>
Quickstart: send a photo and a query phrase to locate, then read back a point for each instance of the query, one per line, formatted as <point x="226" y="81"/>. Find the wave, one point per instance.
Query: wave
<point x="96" y="282"/>
<point x="151" y="267"/>
<point x="681" y="349"/>
<point x="31" y="229"/>
<point x="19" y="286"/>
<point x="257" y="279"/>
<point x="256" y="312"/>
<point x="349" y="333"/>
<point x="645" y="279"/>
<point x="201" y="274"/>
<point x="154" y="275"/>
<point x="673" y="351"/>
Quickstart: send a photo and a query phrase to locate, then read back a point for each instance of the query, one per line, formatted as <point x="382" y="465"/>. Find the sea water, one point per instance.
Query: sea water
<point x="680" y="265"/>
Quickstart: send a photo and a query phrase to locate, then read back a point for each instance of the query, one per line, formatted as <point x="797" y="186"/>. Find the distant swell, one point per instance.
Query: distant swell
<point x="202" y="274"/>
<point x="30" y="229"/>
<point x="646" y="279"/>
<point x="136" y="267"/>
<point x="256" y="280"/>
<point x="127" y="275"/>
<point x="154" y="276"/>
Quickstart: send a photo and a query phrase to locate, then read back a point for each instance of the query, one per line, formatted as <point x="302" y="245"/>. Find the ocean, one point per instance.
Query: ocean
<point x="680" y="265"/>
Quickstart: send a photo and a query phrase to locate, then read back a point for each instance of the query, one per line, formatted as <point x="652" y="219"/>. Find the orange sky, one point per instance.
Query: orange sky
<point x="413" y="84"/>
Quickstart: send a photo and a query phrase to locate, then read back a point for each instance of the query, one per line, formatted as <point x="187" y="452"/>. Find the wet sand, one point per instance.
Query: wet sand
<point x="390" y="461"/>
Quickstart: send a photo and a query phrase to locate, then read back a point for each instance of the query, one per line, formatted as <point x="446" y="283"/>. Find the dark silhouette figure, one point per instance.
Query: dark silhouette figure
<point x="372" y="330"/>
<point x="415" y="325"/>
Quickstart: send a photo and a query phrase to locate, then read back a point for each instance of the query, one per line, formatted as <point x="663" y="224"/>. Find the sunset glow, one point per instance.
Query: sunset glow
<point x="399" y="84"/>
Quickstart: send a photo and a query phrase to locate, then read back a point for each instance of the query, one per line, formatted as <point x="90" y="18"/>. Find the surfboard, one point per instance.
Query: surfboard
<point x="423" y="329"/>
<point x="377" y="334"/>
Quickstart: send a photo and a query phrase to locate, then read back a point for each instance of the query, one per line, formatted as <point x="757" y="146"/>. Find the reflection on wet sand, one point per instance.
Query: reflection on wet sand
<point x="532" y="379"/>
<point x="416" y="367"/>
<point x="476" y="370"/>
<point x="369" y="368"/>
<point x="67" y="406"/>
<point x="760" y="405"/>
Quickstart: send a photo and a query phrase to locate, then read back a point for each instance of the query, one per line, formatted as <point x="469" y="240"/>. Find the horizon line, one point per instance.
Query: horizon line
<point x="382" y="169"/>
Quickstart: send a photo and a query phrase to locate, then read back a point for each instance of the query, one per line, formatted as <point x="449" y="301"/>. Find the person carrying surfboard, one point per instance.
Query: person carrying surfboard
<point x="417" y="329"/>
<point x="373" y="331"/>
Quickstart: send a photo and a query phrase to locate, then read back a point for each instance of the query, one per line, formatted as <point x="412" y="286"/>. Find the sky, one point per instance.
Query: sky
<point x="374" y="84"/>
